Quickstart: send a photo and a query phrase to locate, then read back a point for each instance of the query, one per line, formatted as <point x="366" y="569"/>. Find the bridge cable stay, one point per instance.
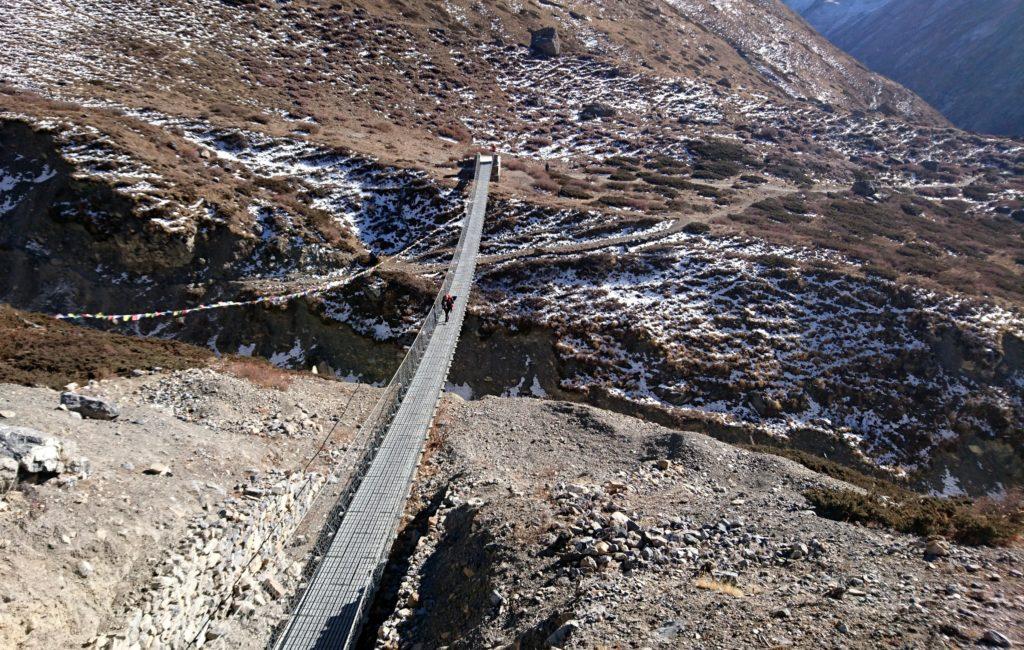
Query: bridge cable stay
<point x="201" y="630"/>
<point x="358" y="444"/>
<point x="351" y="553"/>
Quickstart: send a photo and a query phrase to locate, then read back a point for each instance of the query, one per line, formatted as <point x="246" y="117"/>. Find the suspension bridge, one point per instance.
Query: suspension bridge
<point x="330" y="611"/>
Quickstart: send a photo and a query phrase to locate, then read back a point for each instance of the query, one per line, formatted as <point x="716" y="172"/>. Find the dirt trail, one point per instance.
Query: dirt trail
<point x="644" y="238"/>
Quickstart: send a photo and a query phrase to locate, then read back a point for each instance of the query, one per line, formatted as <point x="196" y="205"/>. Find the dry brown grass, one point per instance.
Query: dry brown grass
<point x="455" y="131"/>
<point x="909" y="238"/>
<point x="39" y="350"/>
<point x="705" y="582"/>
<point x="258" y="372"/>
<point x="884" y="503"/>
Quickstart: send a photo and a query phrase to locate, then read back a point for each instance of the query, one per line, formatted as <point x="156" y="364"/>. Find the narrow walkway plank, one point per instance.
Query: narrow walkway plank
<point x="331" y="611"/>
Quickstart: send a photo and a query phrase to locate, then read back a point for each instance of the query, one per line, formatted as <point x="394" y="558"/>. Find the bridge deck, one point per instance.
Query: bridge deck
<point x="331" y="611"/>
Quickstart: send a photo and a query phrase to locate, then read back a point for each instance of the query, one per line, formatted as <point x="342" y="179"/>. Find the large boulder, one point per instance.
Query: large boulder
<point x="544" y="42"/>
<point x="865" y="187"/>
<point x="597" y="110"/>
<point x="25" y="451"/>
<point x="90" y="407"/>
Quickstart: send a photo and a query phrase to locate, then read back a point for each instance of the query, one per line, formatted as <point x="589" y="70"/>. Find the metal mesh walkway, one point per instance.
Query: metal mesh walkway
<point x="331" y="610"/>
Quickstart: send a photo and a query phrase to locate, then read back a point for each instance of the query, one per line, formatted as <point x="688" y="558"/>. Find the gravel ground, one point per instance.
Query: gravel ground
<point x="533" y="522"/>
<point x="225" y="403"/>
<point x="554" y="524"/>
<point x="74" y="548"/>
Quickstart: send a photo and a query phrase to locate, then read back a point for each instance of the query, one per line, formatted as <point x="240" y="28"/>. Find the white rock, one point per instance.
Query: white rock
<point x="84" y="569"/>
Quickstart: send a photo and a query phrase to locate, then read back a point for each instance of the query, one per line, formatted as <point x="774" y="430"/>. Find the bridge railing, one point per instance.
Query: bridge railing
<point x="363" y="448"/>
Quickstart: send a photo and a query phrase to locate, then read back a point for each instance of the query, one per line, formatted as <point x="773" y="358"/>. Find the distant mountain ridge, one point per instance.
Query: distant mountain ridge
<point x="962" y="56"/>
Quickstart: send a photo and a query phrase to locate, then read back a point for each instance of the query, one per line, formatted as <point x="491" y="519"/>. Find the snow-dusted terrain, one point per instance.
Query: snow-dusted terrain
<point x="187" y="152"/>
<point x="722" y="326"/>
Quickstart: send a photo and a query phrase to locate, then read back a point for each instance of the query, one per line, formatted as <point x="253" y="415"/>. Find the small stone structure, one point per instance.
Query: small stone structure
<point x="544" y="42"/>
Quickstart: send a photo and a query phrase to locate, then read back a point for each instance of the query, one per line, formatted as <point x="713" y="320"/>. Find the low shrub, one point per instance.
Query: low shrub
<point x="614" y="201"/>
<point x="676" y="182"/>
<point x="617" y="186"/>
<point x="960" y="519"/>
<point x="669" y="165"/>
<point x="575" y="192"/>
<point x="887" y="504"/>
<point x="719" y="149"/>
<point x="979" y="192"/>
<point x="628" y="163"/>
<point x="716" y="169"/>
<point x="455" y="131"/>
<point x="790" y="171"/>
<point x="258" y="371"/>
<point x="546" y="185"/>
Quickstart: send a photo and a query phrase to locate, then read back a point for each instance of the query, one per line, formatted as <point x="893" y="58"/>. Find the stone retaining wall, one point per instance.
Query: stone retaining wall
<point x="212" y="575"/>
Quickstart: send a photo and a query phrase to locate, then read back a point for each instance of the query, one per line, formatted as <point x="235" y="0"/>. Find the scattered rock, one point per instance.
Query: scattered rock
<point x="597" y="110"/>
<point x="8" y="473"/>
<point x="215" y="632"/>
<point x="997" y="639"/>
<point x="562" y="634"/>
<point x="936" y="547"/>
<point x="274" y="588"/>
<point x="7" y="414"/>
<point x="84" y="569"/>
<point x="497" y="600"/>
<point x="96" y="408"/>
<point x="158" y="469"/>
<point x="245" y="609"/>
<point x="619" y="519"/>
<point x="865" y="187"/>
<point x="797" y="551"/>
<point x="836" y="592"/>
<point x="614" y="487"/>
<point x="33" y="452"/>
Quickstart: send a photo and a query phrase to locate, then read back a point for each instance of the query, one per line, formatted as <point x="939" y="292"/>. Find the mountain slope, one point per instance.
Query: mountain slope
<point x="959" y="55"/>
<point x="399" y="63"/>
<point x="708" y="216"/>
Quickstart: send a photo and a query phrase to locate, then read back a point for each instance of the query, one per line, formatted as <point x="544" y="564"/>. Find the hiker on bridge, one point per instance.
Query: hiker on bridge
<point x="446" y="304"/>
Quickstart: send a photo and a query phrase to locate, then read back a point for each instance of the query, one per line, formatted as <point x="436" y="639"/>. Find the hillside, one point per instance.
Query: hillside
<point x="539" y="522"/>
<point x="712" y="229"/>
<point x="952" y="53"/>
<point x="779" y="205"/>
